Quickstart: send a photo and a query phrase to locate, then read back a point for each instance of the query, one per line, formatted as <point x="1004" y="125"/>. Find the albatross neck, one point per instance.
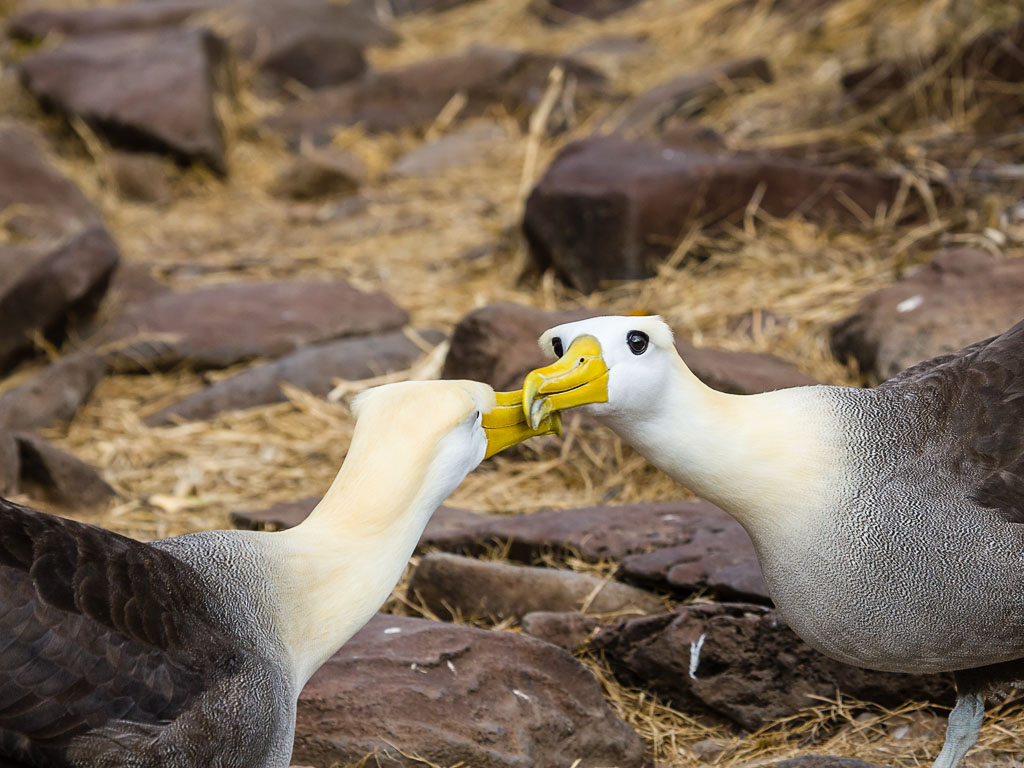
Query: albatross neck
<point x="766" y="458"/>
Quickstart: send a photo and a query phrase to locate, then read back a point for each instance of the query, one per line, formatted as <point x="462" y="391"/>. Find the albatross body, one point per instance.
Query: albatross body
<point x="887" y="521"/>
<point x="191" y="652"/>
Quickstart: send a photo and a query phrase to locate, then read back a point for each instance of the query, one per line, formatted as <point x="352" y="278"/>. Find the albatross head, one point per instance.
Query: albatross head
<point x="611" y="365"/>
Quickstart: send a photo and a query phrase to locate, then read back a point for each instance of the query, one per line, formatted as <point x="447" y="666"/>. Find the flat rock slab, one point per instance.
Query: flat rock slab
<point x="219" y="325"/>
<point x="960" y="297"/>
<point x="54" y="394"/>
<point x="412" y="96"/>
<point x="454" y="586"/>
<point x="497" y="344"/>
<point x="149" y="90"/>
<point x="608" y="209"/>
<point x="58" y="476"/>
<point x="69" y="22"/>
<point x="824" y="761"/>
<point x="568" y="630"/>
<point x="52" y="290"/>
<point x="411" y="690"/>
<point x="315" y="368"/>
<point x="744" y="663"/>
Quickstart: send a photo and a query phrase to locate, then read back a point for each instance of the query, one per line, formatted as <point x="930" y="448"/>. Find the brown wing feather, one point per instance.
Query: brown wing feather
<point x="94" y="627"/>
<point x="977" y="396"/>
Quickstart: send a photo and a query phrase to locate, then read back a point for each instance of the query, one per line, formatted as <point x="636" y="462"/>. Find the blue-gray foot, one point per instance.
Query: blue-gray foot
<point x="962" y="729"/>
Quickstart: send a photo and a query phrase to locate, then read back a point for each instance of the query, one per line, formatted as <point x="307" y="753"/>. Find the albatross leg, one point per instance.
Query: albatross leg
<point x="961" y="730"/>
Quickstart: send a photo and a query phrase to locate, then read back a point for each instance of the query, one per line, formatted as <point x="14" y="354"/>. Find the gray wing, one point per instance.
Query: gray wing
<point x="976" y="399"/>
<point x="104" y="643"/>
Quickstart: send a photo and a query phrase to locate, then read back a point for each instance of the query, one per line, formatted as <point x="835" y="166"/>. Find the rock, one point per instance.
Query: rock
<point x="319" y="174"/>
<point x="988" y="61"/>
<point x="141" y="90"/>
<point x="412" y="96"/>
<point x="689" y="94"/>
<point x="824" y="761"/>
<point x="405" y="7"/>
<point x="743" y="662"/>
<point x="49" y="206"/>
<point x="609" y="209"/>
<point x="684" y="134"/>
<point x="57" y="476"/>
<point x="54" y="394"/>
<point x="610" y="53"/>
<point x="219" y="325"/>
<point x="566" y="630"/>
<point x="10" y="464"/>
<point x="411" y="690"/>
<point x="457" y="149"/>
<point x="315" y="368"/>
<point x="960" y="297"/>
<point x="564" y="11"/>
<point x="69" y="22"/>
<point x="497" y="344"/>
<point x="48" y="294"/>
<point x="139" y="178"/>
<point x="455" y="586"/>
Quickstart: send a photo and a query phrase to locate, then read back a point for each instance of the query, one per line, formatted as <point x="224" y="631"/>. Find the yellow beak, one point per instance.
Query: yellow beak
<point x="579" y="377"/>
<point x="506" y="425"/>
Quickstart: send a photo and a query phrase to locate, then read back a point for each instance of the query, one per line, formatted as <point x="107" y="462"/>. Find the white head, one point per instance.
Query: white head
<point x="611" y="365"/>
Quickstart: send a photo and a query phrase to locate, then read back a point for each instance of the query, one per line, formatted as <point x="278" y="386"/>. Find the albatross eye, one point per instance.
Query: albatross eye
<point x="637" y="341"/>
<point x="556" y="346"/>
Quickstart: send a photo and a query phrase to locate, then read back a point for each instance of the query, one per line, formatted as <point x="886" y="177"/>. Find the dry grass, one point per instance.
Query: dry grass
<point x="412" y="241"/>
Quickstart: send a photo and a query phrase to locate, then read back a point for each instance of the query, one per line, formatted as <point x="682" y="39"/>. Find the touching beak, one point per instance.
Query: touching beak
<point x="506" y="425"/>
<point x="579" y="377"/>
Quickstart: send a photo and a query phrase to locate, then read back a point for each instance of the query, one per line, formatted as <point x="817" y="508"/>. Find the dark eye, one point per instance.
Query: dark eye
<point x="637" y="341"/>
<point x="556" y="345"/>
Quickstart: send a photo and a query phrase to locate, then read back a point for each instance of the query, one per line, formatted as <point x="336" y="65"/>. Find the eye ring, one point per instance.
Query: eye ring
<point x="637" y="341"/>
<point x="556" y="346"/>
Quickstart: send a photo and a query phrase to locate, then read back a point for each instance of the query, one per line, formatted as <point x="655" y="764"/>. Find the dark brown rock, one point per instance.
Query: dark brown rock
<point x="608" y="209"/>
<point x="987" y="63"/>
<point x="320" y="173"/>
<point x="315" y="369"/>
<point x="566" y="630"/>
<point x="10" y="464"/>
<point x="49" y="206"/>
<point x="48" y="294"/>
<point x="413" y="96"/>
<point x="219" y="325"/>
<point x="960" y="297"/>
<point x="824" y="761"/>
<point x="54" y="394"/>
<point x="452" y="585"/>
<point x="684" y="134"/>
<point x="497" y="344"/>
<point x="138" y="177"/>
<point x="565" y="11"/>
<point x="688" y="95"/>
<point x="411" y="690"/>
<point x="57" y="476"/>
<point x="142" y="90"/>
<point x="37" y="24"/>
<point x="406" y="7"/>
<point x="743" y="662"/>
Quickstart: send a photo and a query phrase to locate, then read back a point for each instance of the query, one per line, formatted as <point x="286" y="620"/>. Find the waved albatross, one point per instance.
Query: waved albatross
<point x="888" y="522"/>
<point x="190" y="652"/>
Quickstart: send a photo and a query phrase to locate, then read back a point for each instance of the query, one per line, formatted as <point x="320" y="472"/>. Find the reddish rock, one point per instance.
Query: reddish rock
<point x="69" y="22"/>
<point x="48" y="293"/>
<point x="454" y="586"/>
<point x="411" y="690"/>
<point x="564" y="11"/>
<point x="320" y="173"/>
<point x="987" y="63"/>
<point x="960" y="297"/>
<point x="140" y="89"/>
<point x="315" y="368"/>
<point x="743" y="662"/>
<point x="689" y="94"/>
<point x="10" y="464"/>
<point x="608" y="209"/>
<point x="54" y="394"/>
<point x="57" y="476"/>
<point x="413" y="96"/>
<point x="219" y="325"/>
<point x="497" y="344"/>
<point x="566" y="630"/>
